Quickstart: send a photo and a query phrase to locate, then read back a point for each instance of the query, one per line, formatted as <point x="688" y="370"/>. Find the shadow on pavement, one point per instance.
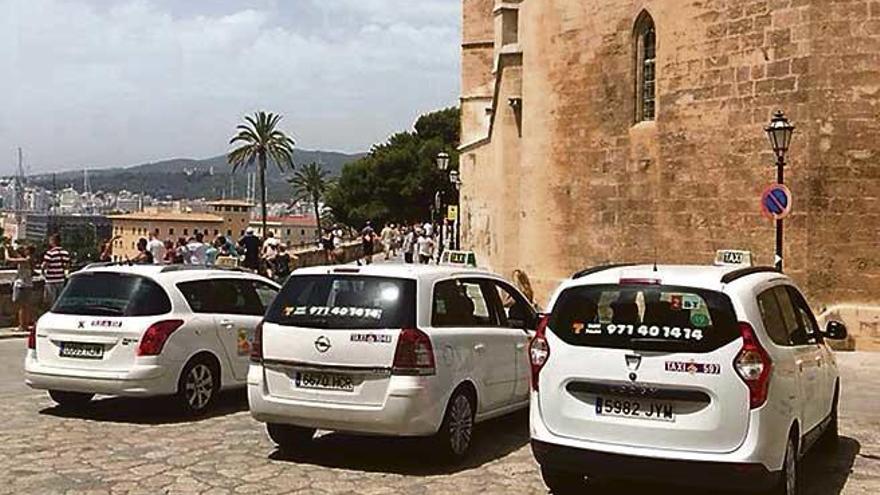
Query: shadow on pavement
<point x="411" y="456"/>
<point x="149" y="411"/>
<point x="824" y="473"/>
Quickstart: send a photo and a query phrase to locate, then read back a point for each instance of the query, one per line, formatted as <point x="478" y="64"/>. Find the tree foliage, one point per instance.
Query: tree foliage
<point x="309" y="184"/>
<point x="398" y="179"/>
<point x="261" y="141"/>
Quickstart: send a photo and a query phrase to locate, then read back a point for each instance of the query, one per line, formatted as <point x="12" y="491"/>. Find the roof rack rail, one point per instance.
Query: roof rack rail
<point x="600" y="268"/>
<point x="180" y="268"/>
<point x="743" y="272"/>
<point x="102" y="264"/>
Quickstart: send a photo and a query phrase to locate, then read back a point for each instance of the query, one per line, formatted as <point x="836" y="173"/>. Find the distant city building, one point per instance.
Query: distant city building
<point x="226" y="217"/>
<point x="293" y="230"/>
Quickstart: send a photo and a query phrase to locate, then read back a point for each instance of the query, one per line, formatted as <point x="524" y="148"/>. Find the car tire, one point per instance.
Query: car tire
<point x="562" y="482"/>
<point x="455" y="436"/>
<point x="789" y="480"/>
<point x="289" y="437"/>
<point x="198" y="387"/>
<point x="70" y="400"/>
<point x="831" y="435"/>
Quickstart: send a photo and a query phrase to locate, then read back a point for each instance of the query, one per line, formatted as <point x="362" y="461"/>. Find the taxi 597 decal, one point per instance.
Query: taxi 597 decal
<point x="648" y="331"/>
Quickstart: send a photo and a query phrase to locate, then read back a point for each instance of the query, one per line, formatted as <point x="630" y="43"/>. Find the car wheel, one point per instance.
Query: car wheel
<point x="831" y="435"/>
<point x="562" y="482"/>
<point x="70" y="399"/>
<point x="789" y="482"/>
<point x="289" y="437"/>
<point x="198" y="387"/>
<point x="457" y="430"/>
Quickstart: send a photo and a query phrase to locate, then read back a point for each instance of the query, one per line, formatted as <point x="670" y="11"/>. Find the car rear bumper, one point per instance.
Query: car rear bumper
<point x="741" y="476"/>
<point x="139" y="381"/>
<point x="406" y="411"/>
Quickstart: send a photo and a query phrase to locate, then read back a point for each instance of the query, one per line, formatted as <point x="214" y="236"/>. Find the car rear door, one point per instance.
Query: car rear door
<point x="462" y="308"/>
<point x="238" y="313"/>
<point x="331" y="338"/>
<point x="809" y="331"/>
<point x="645" y="365"/>
<point x="98" y="321"/>
<point x="519" y="317"/>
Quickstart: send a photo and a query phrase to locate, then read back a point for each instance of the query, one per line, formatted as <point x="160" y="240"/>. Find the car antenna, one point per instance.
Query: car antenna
<point x="655" y="259"/>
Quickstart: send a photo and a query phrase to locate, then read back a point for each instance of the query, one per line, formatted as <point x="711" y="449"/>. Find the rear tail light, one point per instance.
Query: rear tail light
<point x="32" y="337"/>
<point x="414" y="354"/>
<point x="753" y="365"/>
<point x="539" y="350"/>
<point x="257" y="344"/>
<point x="155" y="337"/>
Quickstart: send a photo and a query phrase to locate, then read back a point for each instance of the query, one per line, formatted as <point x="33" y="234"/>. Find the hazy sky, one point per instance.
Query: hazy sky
<point x="111" y="82"/>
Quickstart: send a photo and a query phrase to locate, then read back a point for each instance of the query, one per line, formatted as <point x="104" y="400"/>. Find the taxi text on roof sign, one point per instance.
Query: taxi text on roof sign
<point x="459" y="258"/>
<point x="732" y="257"/>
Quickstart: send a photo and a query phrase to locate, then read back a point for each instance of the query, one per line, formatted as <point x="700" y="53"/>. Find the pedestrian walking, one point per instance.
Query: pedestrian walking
<point x="387" y="237"/>
<point x="329" y="247"/>
<point x="251" y="246"/>
<point x="368" y="239"/>
<point x="409" y="244"/>
<point x="425" y="246"/>
<point x="56" y="262"/>
<point x="338" y="249"/>
<point x="170" y="253"/>
<point x="23" y="285"/>
<point x="281" y="265"/>
<point x="144" y="256"/>
<point x="156" y="248"/>
<point x="197" y="250"/>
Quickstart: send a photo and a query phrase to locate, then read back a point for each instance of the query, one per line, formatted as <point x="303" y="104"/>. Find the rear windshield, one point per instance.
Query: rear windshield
<point x="112" y="294"/>
<point x="345" y="302"/>
<point x="644" y="317"/>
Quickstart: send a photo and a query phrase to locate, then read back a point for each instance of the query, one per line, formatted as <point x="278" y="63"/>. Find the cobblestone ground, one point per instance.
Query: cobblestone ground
<point x="136" y="446"/>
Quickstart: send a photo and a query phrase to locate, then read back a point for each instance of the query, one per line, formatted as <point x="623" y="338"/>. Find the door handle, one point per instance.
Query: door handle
<point x="520" y="346"/>
<point x="819" y="361"/>
<point x="226" y="323"/>
<point x="480" y="347"/>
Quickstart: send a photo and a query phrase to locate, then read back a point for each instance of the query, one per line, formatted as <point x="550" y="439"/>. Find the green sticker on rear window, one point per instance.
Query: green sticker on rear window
<point x="699" y="320"/>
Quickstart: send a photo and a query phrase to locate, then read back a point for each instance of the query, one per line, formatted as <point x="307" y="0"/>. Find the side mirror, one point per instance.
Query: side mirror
<point x="835" y="330"/>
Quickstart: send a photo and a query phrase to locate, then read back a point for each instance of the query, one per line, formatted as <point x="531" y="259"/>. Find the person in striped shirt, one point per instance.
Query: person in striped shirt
<point x="55" y="264"/>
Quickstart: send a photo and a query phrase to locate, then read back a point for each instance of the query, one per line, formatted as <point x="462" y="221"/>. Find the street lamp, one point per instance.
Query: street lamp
<point x="455" y="179"/>
<point x="442" y="165"/>
<point x="779" y="132"/>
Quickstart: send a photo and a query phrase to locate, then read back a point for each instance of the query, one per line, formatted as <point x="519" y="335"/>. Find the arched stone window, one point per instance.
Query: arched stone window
<point x="646" y="70"/>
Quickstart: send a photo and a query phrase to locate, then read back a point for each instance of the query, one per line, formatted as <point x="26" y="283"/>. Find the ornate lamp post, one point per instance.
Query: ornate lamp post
<point x="455" y="179"/>
<point x="779" y="132"/>
<point x="443" y="166"/>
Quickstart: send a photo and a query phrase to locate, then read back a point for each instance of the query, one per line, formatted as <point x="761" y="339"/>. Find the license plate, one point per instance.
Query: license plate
<point x="324" y="381"/>
<point x="82" y="351"/>
<point x="637" y="409"/>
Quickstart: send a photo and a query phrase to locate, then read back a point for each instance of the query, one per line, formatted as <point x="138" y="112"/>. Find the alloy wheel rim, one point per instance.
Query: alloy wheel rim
<point x="199" y="386"/>
<point x="790" y="469"/>
<point x="461" y="424"/>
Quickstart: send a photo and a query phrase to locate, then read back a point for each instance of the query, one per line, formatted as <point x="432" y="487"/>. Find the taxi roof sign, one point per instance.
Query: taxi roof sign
<point x="458" y="258"/>
<point x="733" y="257"/>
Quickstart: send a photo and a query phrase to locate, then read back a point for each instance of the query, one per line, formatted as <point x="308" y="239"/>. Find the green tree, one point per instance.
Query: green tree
<point x="309" y="184"/>
<point x="262" y="141"/>
<point x="398" y="179"/>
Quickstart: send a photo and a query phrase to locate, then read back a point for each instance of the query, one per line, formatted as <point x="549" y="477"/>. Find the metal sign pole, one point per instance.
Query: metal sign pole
<point x="780" y="176"/>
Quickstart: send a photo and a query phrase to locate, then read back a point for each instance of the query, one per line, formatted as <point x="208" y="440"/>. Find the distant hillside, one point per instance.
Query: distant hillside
<point x="187" y="178"/>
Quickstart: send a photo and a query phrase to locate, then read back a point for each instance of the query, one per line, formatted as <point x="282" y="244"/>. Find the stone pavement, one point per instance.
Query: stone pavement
<point x="136" y="446"/>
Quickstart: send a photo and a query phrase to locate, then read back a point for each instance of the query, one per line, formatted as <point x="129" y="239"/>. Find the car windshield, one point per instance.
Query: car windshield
<point x="644" y="317"/>
<point x="112" y="294"/>
<point x="345" y="302"/>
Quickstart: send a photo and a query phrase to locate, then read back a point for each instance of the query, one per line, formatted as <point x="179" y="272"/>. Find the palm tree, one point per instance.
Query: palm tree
<point x="262" y="141"/>
<point x="309" y="184"/>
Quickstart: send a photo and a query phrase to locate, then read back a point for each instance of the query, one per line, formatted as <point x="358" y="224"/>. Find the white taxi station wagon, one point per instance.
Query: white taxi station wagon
<point x="401" y="350"/>
<point x="706" y="375"/>
<point x="148" y="330"/>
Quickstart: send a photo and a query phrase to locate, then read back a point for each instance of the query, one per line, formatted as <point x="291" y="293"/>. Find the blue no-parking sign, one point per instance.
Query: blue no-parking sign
<point x="776" y="201"/>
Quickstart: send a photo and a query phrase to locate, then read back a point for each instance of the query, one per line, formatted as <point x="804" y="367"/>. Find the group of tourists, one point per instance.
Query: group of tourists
<point x="418" y="242"/>
<point x="54" y="265"/>
<point x="268" y="256"/>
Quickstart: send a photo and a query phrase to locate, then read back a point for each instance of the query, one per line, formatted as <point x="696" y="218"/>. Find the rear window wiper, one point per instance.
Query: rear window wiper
<point x="113" y="310"/>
